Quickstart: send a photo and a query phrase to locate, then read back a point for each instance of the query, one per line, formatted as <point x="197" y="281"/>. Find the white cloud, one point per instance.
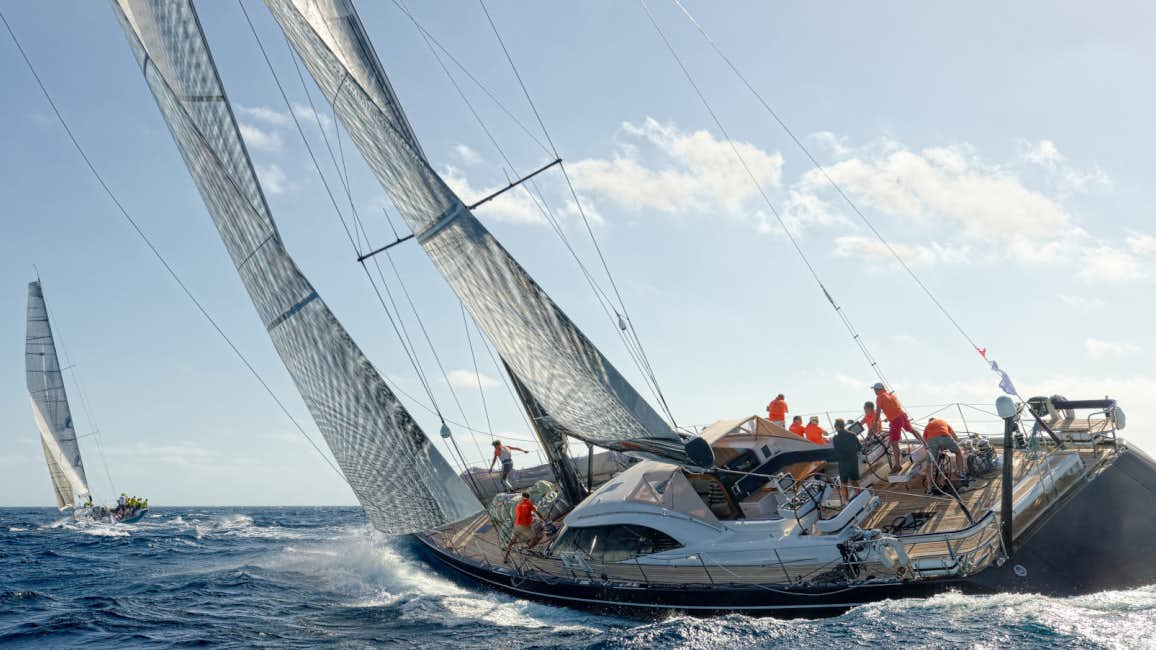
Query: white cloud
<point x="944" y="184"/>
<point x="462" y="378"/>
<point x="265" y="114"/>
<point x="514" y="206"/>
<point x="836" y="144"/>
<point x="183" y="453"/>
<point x="467" y="155"/>
<point x="1098" y="349"/>
<point x="662" y="168"/>
<point x="1081" y="303"/>
<point x="876" y="255"/>
<point x="1047" y="155"/>
<point x="273" y="179"/>
<point x="1106" y="263"/>
<point x="259" y="139"/>
<point x="307" y="115"/>
<point x="1141" y="244"/>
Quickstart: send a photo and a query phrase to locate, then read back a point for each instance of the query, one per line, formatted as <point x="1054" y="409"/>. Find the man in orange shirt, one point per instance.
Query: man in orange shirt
<point x="939" y="436"/>
<point x="523" y="525"/>
<point x="777" y="411"/>
<point x="797" y="427"/>
<point x="870" y="419"/>
<point x="814" y="432"/>
<point x="898" y="422"/>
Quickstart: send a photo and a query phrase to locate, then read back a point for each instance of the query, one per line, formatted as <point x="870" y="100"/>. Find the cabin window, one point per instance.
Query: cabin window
<point x="615" y="543"/>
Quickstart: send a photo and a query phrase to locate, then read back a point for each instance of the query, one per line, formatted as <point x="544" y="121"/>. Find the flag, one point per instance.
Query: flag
<point x="1005" y="382"/>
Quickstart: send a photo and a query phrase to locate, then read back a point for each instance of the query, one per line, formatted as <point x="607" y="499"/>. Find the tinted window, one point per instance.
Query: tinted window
<point x="614" y="543"/>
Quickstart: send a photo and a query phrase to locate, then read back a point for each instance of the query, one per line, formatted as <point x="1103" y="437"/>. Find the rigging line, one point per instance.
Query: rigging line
<point x="430" y="38"/>
<point x="477" y="373"/>
<point x="403" y="336"/>
<point x="80" y="390"/>
<point x="156" y="252"/>
<point x="766" y="199"/>
<point x="581" y="212"/>
<point x="405" y="340"/>
<point x="332" y="199"/>
<point x="823" y="171"/>
<point x="536" y="196"/>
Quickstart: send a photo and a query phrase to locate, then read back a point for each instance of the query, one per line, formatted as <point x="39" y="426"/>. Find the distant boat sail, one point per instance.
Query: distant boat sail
<point x="54" y="420"/>
<point x="50" y="405"/>
<point x="397" y="474"/>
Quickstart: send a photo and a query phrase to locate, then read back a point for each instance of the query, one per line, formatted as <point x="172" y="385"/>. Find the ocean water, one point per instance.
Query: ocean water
<point x="296" y="577"/>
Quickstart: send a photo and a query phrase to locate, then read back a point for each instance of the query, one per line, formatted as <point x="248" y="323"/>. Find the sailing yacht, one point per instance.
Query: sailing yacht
<point x="54" y="420"/>
<point x="740" y="517"/>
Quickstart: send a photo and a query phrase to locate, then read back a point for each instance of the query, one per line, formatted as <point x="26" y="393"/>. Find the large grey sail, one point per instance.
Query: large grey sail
<point x="400" y="478"/>
<point x="50" y="404"/>
<point x="567" y="375"/>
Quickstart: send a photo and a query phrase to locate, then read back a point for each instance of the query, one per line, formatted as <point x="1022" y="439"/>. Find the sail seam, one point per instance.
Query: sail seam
<point x="291" y="311"/>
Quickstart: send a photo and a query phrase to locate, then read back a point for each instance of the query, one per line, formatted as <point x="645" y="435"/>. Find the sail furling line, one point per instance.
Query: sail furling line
<point x="839" y="311"/>
<point x="401" y="479"/>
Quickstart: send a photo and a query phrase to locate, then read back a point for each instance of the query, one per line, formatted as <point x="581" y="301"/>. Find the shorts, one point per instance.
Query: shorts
<point x="779" y="423"/>
<point x="941" y="443"/>
<point x="897" y="426"/>
<point x="849" y="472"/>
<point x="522" y="534"/>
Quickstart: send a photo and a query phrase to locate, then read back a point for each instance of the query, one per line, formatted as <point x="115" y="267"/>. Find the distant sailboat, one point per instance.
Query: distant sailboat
<point x="54" y="420"/>
<point x="738" y="519"/>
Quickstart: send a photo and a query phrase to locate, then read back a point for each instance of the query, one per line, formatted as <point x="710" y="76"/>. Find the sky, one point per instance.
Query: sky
<point x="1002" y="150"/>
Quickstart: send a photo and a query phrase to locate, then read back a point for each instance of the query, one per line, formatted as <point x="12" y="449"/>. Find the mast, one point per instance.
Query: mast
<point x="399" y="477"/>
<point x="568" y="377"/>
<point x="50" y="404"/>
<point x="553" y="442"/>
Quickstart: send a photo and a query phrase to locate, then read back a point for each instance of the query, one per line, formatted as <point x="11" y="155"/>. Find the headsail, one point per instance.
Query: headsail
<point x="567" y="375"/>
<point x="50" y="404"/>
<point x="399" y="477"/>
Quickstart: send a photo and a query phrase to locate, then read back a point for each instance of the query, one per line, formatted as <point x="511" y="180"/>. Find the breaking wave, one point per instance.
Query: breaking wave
<point x="301" y="577"/>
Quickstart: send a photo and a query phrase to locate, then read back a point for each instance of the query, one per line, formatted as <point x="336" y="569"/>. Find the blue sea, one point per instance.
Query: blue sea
<point x="297" y="577"/>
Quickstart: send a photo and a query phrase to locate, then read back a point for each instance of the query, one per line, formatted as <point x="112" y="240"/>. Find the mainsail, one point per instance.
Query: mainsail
<point x="399" y="477"/>
<point x="584" y="394"/>
<point x="50" y="404"/>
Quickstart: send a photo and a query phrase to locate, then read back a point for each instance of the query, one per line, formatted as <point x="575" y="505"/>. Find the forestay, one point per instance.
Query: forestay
<point x="585" y="396"/>
<point x="399" y="477"/>
<point x="50" y="404"/>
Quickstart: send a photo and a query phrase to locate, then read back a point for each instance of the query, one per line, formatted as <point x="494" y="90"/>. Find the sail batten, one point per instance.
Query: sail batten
<point x="399" y="477"/>
<point x="50" y="408"/>
<point x="583" y="393"/>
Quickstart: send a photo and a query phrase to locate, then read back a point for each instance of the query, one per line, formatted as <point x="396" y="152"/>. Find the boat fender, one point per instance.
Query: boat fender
<point x="891" y="553"/>
<point x="1118" y="417"/>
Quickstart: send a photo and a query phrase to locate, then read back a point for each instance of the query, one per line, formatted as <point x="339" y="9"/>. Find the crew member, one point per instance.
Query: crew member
<point x="502" y="452"/>
<point x="847" y="447"/>
<point x="814" y="432"/>
<point x="777" y="411"/>
<point x="523" y="532"/>
<point x="939" y="436"/>
<point x="797" y="427"/>
<point x="897" y="421"/>
<point x="871" y="422"/>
